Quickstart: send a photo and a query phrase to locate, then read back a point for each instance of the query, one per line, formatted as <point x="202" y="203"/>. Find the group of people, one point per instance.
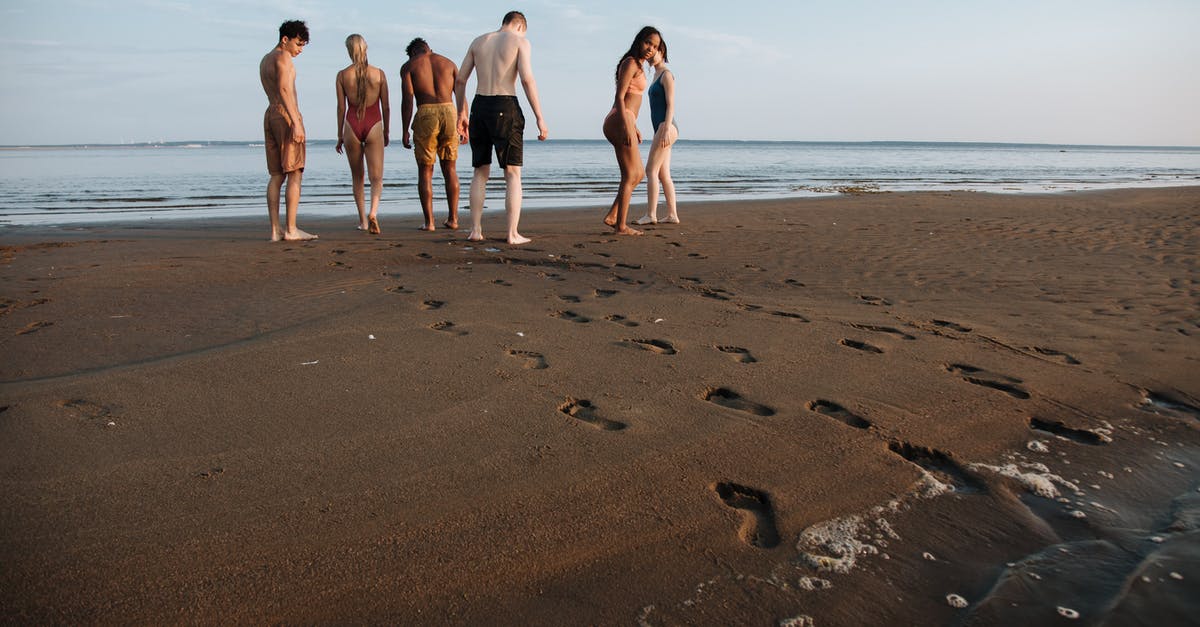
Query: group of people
<point x="493" y="123"/>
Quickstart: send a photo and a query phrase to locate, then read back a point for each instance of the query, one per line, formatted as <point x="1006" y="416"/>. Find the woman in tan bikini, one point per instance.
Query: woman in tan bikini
<point x="620" y="125"/>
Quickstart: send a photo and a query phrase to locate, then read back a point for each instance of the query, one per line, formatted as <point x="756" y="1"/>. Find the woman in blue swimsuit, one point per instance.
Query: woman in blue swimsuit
<point x="658" y="163"/>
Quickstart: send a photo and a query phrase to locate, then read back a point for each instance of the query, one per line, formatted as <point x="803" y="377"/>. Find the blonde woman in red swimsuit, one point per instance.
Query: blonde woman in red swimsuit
<point x="363" y="119"/>
<point x="620" y="125"/>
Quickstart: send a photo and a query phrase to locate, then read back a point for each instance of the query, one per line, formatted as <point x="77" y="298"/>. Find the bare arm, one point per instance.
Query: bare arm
<point x="525" y="71"/>
<point x="460" y="91"/>
<point x="387" y="108"/>
<point x="341" y="110"/>
<point x="285" y="74"/>
<point x="406" y="105"/>
<point x="629" y="68"/>
<point x="668" y="83"/>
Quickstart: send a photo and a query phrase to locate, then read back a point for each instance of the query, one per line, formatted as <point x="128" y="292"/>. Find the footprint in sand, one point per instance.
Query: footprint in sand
<point x="739" y="354"/>
<point x="86" y="409"/>
<point x="399" y="289"/>
<point x="1169" y="404"/>
<point x="621" y="320"/>
<point x="570" y="315"/>
<point x="726" y="397"/>
<point x="34" y="327"/>
<point x="758" y="515"/>
<point x="953" y="326"/>
<point x="748" y="307"/>
<point x="837" y="412"/>
<point x="662" y="347"/>
<point x="424" y="256"/>
<point x="605" y="293"/>
<point x="583" y="411"/>
<point x="1063" y="357"/>
<point x="874" y="328"/>
<point x="533" y="361"/>
<point x="874" y="300"/>
<point x="714" y="293"/>
<point x="862" y="346"/>
<point x="446" y="326"/>
<point x="1082" y="436"/>
<point x="789" y="315"/>
<point x="794" y="283"/>
<point x="1008" y="385"/>
<point x="430" y="305"/>
<point x="500" y="282"/>
<point x="630" y="266"/>
<point x="943" y="467"/>
<point x="616" y="278"/>
<point x="567" y="298"/>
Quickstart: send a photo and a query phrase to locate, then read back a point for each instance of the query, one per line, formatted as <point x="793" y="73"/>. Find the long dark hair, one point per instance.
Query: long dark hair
<point x="633" y="51"/>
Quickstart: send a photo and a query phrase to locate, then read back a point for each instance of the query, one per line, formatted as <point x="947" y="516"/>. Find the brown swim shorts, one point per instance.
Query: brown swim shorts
<point x="435" y="131"/>
<point x="283" y="154"/>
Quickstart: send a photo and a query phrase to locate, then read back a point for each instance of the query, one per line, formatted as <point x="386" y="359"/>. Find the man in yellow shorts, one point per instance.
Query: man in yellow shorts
<point x="429" y="78"/>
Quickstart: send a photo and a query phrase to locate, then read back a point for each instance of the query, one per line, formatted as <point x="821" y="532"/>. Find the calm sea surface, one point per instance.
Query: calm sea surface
<point x="58" y="185"/>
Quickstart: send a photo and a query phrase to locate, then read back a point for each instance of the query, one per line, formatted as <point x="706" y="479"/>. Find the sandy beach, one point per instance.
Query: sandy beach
<point x="836" y="411"/>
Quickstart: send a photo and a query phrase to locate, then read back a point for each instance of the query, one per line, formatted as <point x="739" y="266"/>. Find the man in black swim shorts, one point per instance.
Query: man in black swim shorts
<point x="498" y="123"/>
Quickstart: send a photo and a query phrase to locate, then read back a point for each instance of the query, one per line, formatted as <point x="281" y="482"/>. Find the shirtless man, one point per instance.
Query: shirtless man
<point x="429" y="78"/>
<point x="498" y="122"/>
<point x="283" y="128"/>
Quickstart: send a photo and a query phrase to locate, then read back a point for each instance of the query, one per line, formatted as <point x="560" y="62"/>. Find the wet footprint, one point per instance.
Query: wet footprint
<point x="953" y="326"/>
<point x="430" y="305"/>
<point x="86" y="409"/>
<point x="570" y="315"/>
<point x="621" y="320"/>
<point x="1063" y="357"/>
<point x="1082" y="436"/>
<point x="862" y="346"/>
<point x="605" y="293"/>
<point x="34" y="327"/>
<point x="940" y="465"/>
<point x="738" y="353"/>
<point x="662" y="347"/>
<point x="630" y="266"/>
<point x="794" y="283"/>
<point x="567" y="298"/>
<point x="874" y="300"/>
<point x="424" y="256"/>
<point x="533" y="361"/>
<point x="758" y="515"/>
<point x="726" y="397"/>
<point x="446" y="326"/>
<point x="1169" y="404"/>
<point x="837" y="412"/>
<point x="881" y="329"/>
<point x="583" y="411"/>
<point x="974" y="375"/>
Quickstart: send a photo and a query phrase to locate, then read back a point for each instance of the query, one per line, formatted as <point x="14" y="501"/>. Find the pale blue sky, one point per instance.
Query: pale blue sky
<point x="1049" y="71"/>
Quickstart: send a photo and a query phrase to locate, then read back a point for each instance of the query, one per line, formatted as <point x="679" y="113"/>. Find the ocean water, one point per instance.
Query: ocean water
<point x="72" y="184"/>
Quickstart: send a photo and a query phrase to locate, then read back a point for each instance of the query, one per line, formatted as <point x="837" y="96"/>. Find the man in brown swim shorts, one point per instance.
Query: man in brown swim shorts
<point x="283" y="128"/>
<point x="429" y="79"/>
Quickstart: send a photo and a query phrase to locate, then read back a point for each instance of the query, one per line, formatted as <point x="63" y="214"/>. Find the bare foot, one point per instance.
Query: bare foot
<point x="373" y="226"/>
<point x="611" y="219"/>
<point x="298" y="236"/>
<point x="427" y="227"/>
<point x="646" y="219"/>
<point x="475" y="236"/>
<point x="451" y="224"/>
<point x="671" y="220"/>
<point x="517" y="239"/>
<point x="276" y="236"/>
<point x="628" y="230"/>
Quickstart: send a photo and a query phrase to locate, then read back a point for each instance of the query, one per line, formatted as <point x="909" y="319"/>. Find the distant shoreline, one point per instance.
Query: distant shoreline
<point x="874" y="144"/>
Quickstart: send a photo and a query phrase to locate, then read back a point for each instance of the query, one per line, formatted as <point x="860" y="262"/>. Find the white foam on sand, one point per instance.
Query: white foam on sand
<point x="1039" y="481"/>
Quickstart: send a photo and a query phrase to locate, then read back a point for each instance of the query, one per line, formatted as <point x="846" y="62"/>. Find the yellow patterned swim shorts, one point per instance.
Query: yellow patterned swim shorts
<point x="435" y="132"/>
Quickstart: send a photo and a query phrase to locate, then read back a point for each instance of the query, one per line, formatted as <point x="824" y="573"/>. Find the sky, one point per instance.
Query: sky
<point x="1041" y="71"/>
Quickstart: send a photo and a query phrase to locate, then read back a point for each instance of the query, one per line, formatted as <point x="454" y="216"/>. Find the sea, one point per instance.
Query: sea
<point x="56" y="185"/>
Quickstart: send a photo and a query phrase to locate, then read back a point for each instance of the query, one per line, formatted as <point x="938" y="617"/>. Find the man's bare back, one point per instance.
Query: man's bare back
<point x="432" y="78"/>
<point x="496" y="56"/>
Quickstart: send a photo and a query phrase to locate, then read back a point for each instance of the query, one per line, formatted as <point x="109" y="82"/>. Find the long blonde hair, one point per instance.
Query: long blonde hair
<point x="357" y="47"/>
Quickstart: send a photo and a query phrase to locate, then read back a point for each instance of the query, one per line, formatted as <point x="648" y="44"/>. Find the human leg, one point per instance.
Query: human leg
<point x="629" y="161"/>
<point x="668" y="186"/>
<point x="292" y="199"/>
<point x="512" y="203"/>
<point x="478" y="192"/>
<point x="273" y="189"/>
<point x="373" y="150"/>
<point x="354" y="157"/>
<point x="450" y="175"/>
<point x="425" y="192"/>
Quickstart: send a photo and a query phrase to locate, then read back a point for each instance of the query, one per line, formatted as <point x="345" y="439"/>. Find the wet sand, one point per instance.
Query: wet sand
<point x="835" y="411"/>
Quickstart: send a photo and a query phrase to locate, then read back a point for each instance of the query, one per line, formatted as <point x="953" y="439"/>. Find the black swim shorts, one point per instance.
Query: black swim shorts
<point x="497" y="122"/>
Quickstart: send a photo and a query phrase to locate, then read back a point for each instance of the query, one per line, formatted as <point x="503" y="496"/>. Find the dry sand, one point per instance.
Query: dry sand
<point x="838" y="410"/>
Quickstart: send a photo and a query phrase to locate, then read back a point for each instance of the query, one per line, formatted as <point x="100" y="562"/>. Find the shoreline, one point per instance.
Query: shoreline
<point x="750" y="417"/>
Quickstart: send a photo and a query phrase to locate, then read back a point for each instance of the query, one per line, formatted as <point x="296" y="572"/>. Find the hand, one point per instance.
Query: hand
<point x="464" y="128"/>
<point x="387" y="139"/>
<point x="406" y="140"/>
<point x="543" y="132"/>
<point x="298" y="133"/>
<point x="639" y="134"/>
<point x="338" y="147"/>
